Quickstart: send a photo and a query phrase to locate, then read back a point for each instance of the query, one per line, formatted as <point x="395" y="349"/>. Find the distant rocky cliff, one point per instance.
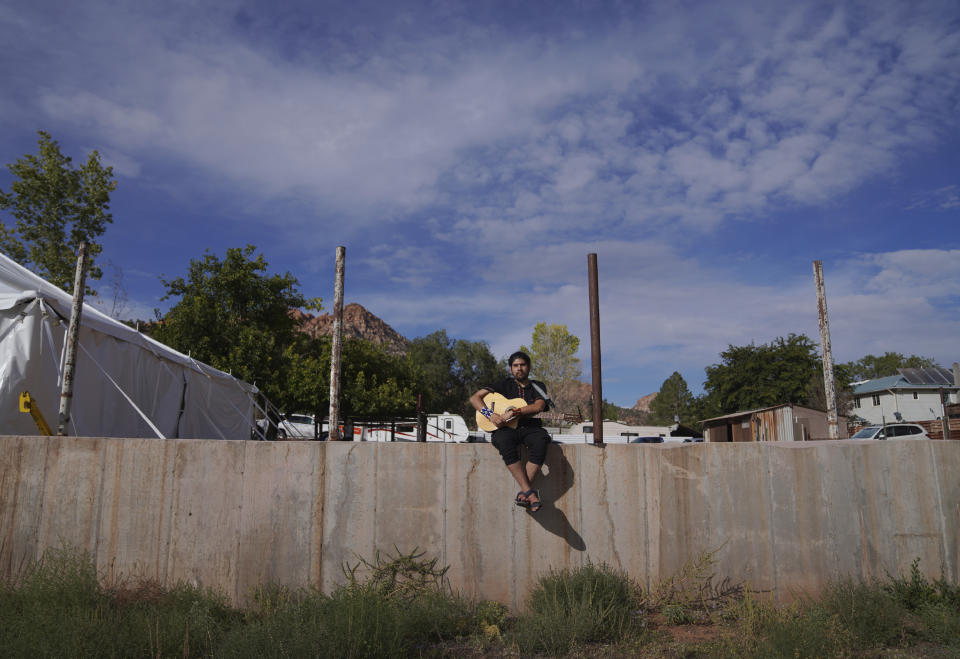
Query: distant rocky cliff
<point x="577" y="396"/>
<point x="643" y="405"/>
<point x="358" y="323"/>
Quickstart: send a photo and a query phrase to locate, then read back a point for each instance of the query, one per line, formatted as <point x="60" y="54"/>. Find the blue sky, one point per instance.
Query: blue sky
<point x="470" y="155"/>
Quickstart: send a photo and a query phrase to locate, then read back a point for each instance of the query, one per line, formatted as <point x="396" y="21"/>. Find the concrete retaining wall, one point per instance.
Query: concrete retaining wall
<point x="234" y="514"/>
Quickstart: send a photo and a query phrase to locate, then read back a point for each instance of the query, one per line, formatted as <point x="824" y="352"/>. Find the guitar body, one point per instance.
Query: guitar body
<point x="499" y="404"/>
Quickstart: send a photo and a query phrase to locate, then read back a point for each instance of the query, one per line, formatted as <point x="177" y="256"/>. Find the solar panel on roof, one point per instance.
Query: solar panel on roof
<point x="933" y="375"/>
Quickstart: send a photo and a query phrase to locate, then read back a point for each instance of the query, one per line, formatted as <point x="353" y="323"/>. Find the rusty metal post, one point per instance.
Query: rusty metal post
<point x="334" y="423"/>
<point x="829" y="385"/>
<point x="73" y="333"/>
<point x="595" y="349"/>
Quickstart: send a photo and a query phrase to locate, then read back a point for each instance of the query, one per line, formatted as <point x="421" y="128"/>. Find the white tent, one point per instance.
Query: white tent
<point x="125" y="385"/>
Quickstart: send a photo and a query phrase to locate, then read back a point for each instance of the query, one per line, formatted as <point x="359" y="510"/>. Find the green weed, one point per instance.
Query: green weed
<point x="567" y="607"/>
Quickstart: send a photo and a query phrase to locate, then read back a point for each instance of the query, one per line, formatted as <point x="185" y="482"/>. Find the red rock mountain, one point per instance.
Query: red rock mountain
<point x="358" y="323"/>
<point x="643" y="404"/>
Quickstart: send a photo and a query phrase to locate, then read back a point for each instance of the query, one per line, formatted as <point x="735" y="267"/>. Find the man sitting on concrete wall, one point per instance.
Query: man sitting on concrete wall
<point x="510" y="405"/>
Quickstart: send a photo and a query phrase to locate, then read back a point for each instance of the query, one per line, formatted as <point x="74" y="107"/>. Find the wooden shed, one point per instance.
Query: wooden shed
<point x="780" y="423"/>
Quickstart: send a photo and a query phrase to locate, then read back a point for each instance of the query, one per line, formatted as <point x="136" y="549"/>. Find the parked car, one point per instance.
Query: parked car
<point x="893" y="431"/>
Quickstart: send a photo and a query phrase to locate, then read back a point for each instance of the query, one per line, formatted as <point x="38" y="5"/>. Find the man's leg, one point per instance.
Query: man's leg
<point x="506" y="440"/>
<point x="519" y="475"/>
<point x="533" y="470"/>
<point x="536" y="439"/>
<point x="531" y="473"/>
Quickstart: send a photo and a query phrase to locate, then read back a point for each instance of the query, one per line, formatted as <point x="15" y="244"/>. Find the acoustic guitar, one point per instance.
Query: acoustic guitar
<point x="501" y="405"/>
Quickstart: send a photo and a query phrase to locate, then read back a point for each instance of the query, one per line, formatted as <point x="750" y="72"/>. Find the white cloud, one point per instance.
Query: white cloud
<point x="123" y="165"/>
<point x="660" y="312"/>
<point x="804" y="107"/>
<point x="475" y="151"/>
<point x="945" y="198"/>
<point x="913" y="273"/>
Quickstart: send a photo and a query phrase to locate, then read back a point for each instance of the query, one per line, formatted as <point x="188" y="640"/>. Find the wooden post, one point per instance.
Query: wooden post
<point x="421" y="420"/>
<point x="829" y="386"/>
<point x="334" y="423"/>
<point x="595" y="349"/>
<point x="944" y="419"/>
<point x="73" y="334"/>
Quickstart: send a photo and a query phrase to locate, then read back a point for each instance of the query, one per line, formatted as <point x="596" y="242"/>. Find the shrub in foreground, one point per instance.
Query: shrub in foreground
<point x="566" y="607"/>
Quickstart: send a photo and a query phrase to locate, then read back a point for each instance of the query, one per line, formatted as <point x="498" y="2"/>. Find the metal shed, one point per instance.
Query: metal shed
<point x="780" y="423"/>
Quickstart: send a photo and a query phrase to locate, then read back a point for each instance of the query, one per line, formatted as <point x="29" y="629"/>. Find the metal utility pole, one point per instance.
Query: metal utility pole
<point x="334" y="415"/>
<point x="73" y="332"/>
<point x="828" y="383"/>
<point x="595" y="349"/>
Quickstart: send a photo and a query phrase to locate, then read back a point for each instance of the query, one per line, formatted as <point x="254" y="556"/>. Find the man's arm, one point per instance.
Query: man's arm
<point x="477" y="399"/>
<point x="535" y="407"/>
<point x="496" y="419"/>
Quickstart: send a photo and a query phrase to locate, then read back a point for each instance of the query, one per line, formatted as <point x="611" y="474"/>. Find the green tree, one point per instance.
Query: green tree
<point x="449" y="371"/>
<point x="674" y="400"/>
<point x="752" y="376"/>
<point x="307" y="381"/>
<point x="233" y="316"/>
<point x="702" y="407"/>
<point x="56" y="207"/>
<point x="816" y="392"/>
<point x="870" y="367"/>
<point x="433" y="355"/>
<point x="553" y="350"/>
<point x="373" y="383"/>
<point x="610" y="411"/>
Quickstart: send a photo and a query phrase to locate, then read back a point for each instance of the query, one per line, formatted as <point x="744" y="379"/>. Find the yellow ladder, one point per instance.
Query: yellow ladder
<point x="28" y="405"/>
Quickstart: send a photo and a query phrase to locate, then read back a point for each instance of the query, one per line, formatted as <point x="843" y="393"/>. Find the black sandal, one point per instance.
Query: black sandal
<point x="535" y="505"/>
<point x="522" y="499"/>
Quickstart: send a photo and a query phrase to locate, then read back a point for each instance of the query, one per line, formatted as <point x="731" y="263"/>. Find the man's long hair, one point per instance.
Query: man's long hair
<point x="519" y="354"/>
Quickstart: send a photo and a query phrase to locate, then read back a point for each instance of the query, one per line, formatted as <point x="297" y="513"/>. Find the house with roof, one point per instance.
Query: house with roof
<point x="911" y="395"/>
